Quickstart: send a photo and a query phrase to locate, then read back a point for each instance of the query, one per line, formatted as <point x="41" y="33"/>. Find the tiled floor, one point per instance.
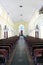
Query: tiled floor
<point x="20" y="56"/>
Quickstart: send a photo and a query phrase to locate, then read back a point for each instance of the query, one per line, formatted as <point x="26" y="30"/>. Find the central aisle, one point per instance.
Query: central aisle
<point x="20" y="56"/>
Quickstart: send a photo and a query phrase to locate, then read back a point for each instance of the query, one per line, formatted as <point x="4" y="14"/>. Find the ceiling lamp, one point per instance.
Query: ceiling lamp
<point x="20" y="6"/>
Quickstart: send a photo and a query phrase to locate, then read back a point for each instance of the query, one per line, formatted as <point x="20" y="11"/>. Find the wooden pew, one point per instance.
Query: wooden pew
<point x="7" y="48"/>
<point x="30" y="39"/>
<point x="2" y="60"/>
<point x="4" y="53"/>
<point x="3" y="50"/>
<point x="7" y="45"/>
<point x="9" y="40"/>
<point x="37" y="53"/>
<point x="33" y="44"/>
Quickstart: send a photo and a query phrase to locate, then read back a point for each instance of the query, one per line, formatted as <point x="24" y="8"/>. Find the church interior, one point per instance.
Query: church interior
<point x="21" y="32"/>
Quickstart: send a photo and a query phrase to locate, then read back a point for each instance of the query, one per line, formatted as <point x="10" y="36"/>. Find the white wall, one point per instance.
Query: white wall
<point x="6" y="20"/>
<point x="36" y="20"/>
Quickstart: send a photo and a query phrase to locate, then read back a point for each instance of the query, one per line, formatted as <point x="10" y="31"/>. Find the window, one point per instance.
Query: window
<point x="37" y="32"/>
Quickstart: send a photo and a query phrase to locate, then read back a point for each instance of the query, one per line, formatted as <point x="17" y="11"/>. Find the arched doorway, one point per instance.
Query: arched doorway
<point x="21" y="30"/>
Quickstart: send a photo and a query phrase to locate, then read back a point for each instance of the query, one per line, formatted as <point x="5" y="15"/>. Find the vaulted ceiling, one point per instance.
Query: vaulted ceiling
<point x="21" y="9"/>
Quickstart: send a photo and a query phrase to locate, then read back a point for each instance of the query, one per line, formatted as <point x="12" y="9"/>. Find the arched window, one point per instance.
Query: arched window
<point x="37" y="31"/>
<point x="5" y="32"/>
<point x="21" y="29"/>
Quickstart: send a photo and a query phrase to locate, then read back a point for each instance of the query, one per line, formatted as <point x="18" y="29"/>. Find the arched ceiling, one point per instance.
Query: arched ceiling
<point x="21" y="9"/>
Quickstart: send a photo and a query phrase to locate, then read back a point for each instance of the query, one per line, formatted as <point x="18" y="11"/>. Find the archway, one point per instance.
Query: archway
<point x="21" y="29"/>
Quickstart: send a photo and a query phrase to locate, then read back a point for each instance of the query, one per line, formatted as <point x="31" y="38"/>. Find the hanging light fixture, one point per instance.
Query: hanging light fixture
<point x="20" y="6"/>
